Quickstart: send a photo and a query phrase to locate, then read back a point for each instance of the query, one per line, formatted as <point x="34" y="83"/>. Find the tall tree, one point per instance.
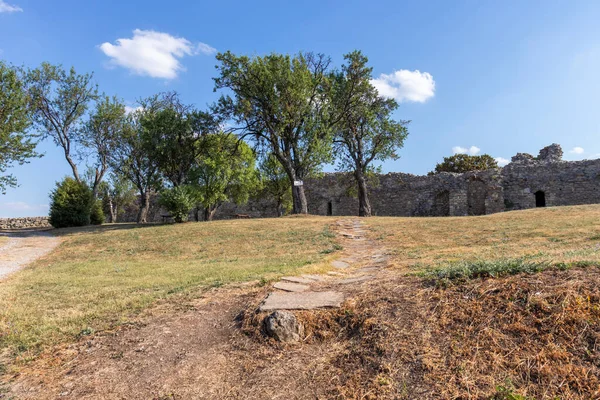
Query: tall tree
<point x="104" y="127"/>
<point x="366" y="131"/>
<point x="460" y="163"/>
<point x="174" y="131"/>
<point x="17" y="144"/>
<point x="130" y="157"/>
<point x="60" y="101"/>
<point x="225" y="171"/>
<point x="280" y="102"/>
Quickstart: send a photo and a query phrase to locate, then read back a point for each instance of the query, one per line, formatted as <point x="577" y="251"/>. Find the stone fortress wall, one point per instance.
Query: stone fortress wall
<point x="526" y="182"/>
<point x="24" y="223"/>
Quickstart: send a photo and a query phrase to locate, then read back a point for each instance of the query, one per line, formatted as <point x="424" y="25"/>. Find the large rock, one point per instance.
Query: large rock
<point x="283" y="326"/>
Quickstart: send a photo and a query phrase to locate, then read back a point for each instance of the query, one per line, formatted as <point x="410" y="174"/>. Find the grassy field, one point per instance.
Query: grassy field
<point x="100" y="277"/>
<point x="556" y="235"/>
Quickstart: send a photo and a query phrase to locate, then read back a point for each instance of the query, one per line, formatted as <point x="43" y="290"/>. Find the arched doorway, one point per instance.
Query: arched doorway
<point x="540" y="199"/>
<point x="476" y="194"/>
<point x="441" y="204"/>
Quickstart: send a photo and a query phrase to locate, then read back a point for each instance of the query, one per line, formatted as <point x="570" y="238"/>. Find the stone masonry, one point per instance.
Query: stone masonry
<point x="526" y="182"/>
<point x="24" y="223"/>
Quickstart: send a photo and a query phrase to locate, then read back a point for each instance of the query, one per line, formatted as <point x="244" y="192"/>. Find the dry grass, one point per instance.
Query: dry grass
<point x="102" y="277"/>
<point x="555" y="235"/>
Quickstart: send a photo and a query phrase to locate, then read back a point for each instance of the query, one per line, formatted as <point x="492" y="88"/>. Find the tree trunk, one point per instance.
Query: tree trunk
<point x="113" y="210"/>
<point x="364" y="206"/>
<point x="279" y="207"/>
<point x="197" y="213"/>
<point x="299" y="200"/>
<point x="209" y="213"/>
<point x="144" y="207"/>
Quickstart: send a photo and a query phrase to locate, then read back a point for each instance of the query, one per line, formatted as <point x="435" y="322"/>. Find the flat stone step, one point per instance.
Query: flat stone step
<point x="340" y="264"/>
<point x="291" y="287"/>
<point x="357" y="279"/>
<point x="302" y="301"/>
<point x="334" y="273"/>
<point x="316" y="278"/>
<point x="297" y="279"/>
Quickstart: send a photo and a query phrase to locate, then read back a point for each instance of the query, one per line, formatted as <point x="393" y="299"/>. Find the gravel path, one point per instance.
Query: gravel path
<point x="24" y="248"/>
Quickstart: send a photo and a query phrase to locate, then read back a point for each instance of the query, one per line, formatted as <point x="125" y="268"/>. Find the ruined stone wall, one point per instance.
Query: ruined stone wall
<point x="24" y="223"/>
<point x="556" y="182"/>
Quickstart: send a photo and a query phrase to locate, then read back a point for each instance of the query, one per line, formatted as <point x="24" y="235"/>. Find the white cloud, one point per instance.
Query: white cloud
<point x="129" y="109"/>
<point x="152" y="53"/>
<point x="8" y="8"/>
<point x="472" y="151"/>
<point x="577" y="150"/>
<point x="501" y="161"/>
<point x="405" y="85"/>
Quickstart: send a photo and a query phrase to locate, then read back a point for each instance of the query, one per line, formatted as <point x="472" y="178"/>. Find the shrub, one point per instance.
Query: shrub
<point x="71" y="204"/>
<point x="178" y="201"/>
<point x="97" y="213"/>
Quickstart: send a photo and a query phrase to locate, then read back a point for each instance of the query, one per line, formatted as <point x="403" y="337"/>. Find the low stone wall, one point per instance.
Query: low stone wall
<point x="24" y="223"/>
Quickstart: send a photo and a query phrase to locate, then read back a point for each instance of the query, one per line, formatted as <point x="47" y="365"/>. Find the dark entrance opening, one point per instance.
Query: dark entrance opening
<point x="540" y="199"/>
<point x="441" y="204"/>
<point x="330" y="208"/>
<point x="476" y="194"/>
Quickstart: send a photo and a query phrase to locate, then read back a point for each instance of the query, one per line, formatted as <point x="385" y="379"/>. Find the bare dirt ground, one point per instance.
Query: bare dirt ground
<point x="213" y="348"/>
<point x="24" y="247"/>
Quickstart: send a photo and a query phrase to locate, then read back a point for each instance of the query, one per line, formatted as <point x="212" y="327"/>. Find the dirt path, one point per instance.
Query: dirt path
<point x="23" y="248"/>
<point x="210" y="349"/>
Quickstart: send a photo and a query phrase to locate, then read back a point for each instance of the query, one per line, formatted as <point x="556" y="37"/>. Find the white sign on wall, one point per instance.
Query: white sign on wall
<point x="298" y="183"/>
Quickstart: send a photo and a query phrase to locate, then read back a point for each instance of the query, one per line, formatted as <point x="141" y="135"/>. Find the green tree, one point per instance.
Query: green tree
<point x="59" y="101"/>
<point x="102" y="131"/>
<point x="460" y="163"/>
<point x="178" y="201"/>
<point x="116" y="193"/>
<point x="17" y="144"/>
<point x="224" y="172"/>
<point x="281" y="103"/>
<point x="366" y="131"/>
<point x="130" y="157"/>
<point x="276" y="184"/>
<point x="71" y="204"/>
<point x="174" y="132"/>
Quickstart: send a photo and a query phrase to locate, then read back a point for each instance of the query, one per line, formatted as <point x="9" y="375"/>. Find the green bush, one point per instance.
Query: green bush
<point x="97" y="213"/>
<point x="71" y="204"/>
<point x="178" y="201"/>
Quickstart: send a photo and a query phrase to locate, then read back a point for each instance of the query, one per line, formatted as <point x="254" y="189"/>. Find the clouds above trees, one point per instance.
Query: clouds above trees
<point x="9" y="8"/>
<point x="406" y="86"/>
<point x="154" y="54"/>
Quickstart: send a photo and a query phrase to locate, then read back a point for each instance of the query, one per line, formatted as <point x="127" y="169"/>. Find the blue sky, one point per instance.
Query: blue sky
<point x="499" y="76"/>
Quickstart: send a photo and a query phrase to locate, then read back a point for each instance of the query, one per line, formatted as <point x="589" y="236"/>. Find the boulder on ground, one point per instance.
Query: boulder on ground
<point x="284" y="327"/>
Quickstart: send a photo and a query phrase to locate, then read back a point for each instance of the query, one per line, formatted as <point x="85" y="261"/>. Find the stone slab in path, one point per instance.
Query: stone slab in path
<point x="317" y="278"/>
<point x="340" y="264"/>
<point x="302" y="301"/>
<point x="296" y="279"/>
<point x="357" y="279"/>
<point x="291" y="287"/>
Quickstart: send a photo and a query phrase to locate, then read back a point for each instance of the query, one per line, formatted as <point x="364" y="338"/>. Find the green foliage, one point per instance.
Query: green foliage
<point x="365" y="131"/>
<point x="179" y="201"/>
<point x="460" y="163"/>
<point x="507" y="392"/>
<point x="60" y="100"/>
<point x="489" y="268"/>
<point x="224" y="171"/>
<point x="280" y="101"/>
<point x="97" y="214"/>
<point x="71" y="204"/>
<point x="116" y="193"/>
<point x="105" y="126"/>
<point x="17" y="145"/>
<point x="276" y="184"/>
<point x="174" y="132"/>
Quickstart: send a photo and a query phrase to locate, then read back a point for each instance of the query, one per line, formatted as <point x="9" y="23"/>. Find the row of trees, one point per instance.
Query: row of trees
<point x="291" y="113"/>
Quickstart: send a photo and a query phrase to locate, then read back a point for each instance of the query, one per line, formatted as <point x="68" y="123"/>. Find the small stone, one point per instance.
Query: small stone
<point x="357" y="279"/>
<point x="284" y="327"/>
<point x="290" y="287"/>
